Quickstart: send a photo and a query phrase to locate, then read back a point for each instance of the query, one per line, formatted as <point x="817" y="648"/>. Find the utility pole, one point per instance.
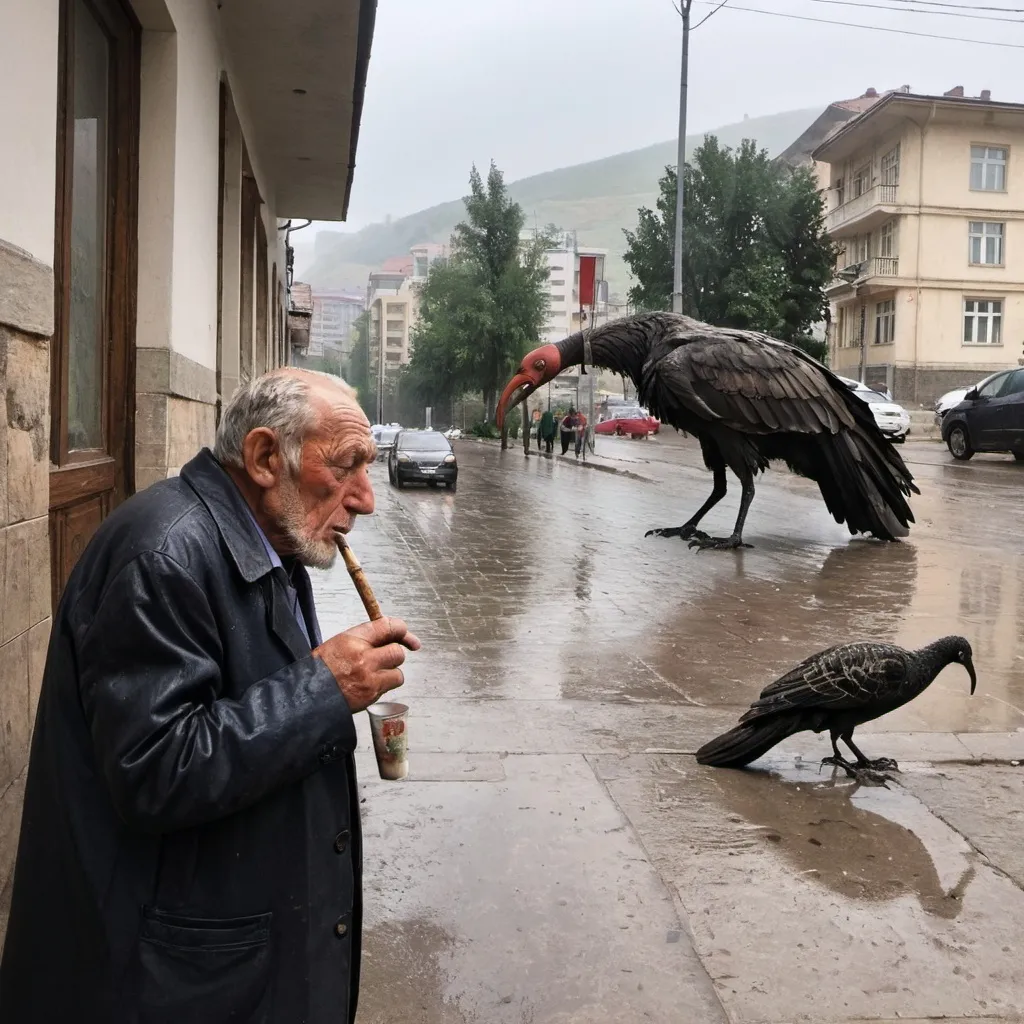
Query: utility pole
<point x="677" y="278"/>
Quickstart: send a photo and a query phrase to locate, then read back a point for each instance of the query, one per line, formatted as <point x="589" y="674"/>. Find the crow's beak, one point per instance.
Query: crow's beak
<point x="969" y="665"/>
<point x="515" y="391"/>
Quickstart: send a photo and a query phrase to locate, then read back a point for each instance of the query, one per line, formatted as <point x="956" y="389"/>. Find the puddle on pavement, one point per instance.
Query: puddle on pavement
<point x="863" y="842"/>
<point x="403" y="975"/>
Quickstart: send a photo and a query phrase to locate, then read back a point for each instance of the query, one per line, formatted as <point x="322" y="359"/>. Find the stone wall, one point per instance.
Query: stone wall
<point x="175" y="412"/>
<point x="922" y="385"/>
<point x="26" y="323"/>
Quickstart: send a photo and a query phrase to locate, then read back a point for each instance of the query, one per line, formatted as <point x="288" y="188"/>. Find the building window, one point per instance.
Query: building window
<point x="986" y="242"/>
<point x="988" y="168"/>
<point x="557" y="299"/>
<point x="861" y="248"/>
<point x="887" y="239"/>
<point x="885" y="322"/>
<point x="396" y="325"/>
<point x="862" y="180"/>
<point x="557" y="284"/>
<point x="840" y="192"/>
<point x="983" y="321"/>
<point x="422" y="266"/>
<point x="890" y="166"/>
<point x="396" y="307"/>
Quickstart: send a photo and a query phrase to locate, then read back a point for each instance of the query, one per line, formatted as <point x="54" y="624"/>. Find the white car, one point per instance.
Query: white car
<point x="892" y="419"/>
<point x="453" y="433"/>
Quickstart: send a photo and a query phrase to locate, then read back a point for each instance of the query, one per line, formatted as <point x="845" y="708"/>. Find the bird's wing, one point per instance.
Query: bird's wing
<point x="841" y="678"/>
<point x="746" y="381"/>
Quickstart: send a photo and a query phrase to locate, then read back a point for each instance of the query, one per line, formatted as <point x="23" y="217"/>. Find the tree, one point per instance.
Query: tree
<point x="756" y="253"/>
<point x="484" y="307"/>
<point x="359" y="375"/>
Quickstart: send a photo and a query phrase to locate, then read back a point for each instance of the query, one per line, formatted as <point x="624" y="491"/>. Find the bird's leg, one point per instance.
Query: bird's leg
<point x="736" y="540"/>
<point x="837" y="759"/>
<point x="689" y="528"/>
<point x="881" y="764"/>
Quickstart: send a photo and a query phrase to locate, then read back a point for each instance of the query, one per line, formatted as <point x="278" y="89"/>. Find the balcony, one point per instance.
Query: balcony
<point x="874" y="274"/>
<point x="862" y="213"/>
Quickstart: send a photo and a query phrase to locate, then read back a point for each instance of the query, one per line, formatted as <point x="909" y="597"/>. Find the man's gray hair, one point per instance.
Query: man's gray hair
<point x="277" y="401"/>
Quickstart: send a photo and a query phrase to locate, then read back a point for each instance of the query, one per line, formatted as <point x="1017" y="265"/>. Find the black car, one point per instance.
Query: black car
<point x="425" y="456"/>
<point x="989" y="419"/>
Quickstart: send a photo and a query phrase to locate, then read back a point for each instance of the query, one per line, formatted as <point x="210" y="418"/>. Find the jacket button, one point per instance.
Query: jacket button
<point x="328" y="754"/>
<point x="341" y="841"/>
<point x="341" y="929"/>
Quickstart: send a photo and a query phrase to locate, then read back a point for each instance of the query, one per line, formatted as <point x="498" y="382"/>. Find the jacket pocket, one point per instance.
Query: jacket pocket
<point x="203" y="971"/>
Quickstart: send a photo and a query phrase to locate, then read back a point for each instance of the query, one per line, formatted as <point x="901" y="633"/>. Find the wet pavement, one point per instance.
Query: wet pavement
<point x="557" y="855"/>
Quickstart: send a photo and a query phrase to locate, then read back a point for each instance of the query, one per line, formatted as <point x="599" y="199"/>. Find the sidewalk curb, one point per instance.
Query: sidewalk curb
<point x="571" y="461"/>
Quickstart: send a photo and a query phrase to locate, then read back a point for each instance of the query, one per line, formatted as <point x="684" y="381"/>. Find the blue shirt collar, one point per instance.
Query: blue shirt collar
<point x="275" y="558"/>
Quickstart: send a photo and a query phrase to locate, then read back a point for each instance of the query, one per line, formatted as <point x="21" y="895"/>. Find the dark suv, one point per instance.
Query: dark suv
<point x="989" y="419"/>
<point x="423" y="456"/>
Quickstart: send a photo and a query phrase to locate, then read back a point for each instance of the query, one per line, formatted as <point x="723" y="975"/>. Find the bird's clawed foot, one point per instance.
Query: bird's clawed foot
<point x="684" y="532"/>
<point x="881" y="764"/>
<point x="706" y="543"/>
<point x="865" y="772"/>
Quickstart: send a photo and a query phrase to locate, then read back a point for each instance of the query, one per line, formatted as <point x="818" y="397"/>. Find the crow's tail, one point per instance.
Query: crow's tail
<point x="748" y="741"/>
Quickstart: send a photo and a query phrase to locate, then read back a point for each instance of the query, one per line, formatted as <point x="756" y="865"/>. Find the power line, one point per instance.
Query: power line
<point x="917" y="10"/>
<point x="711" y="14"/>
<point x="874" y="28"/>
<point x="961" y="7"/>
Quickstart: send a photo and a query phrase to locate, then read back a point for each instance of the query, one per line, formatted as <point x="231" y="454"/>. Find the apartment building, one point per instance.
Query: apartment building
<point x="392" y="300"/>
<point x="333" y="320"/>
<point x="926" y="202"/>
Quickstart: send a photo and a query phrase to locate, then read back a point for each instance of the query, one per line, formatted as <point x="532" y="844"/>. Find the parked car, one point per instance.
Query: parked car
<point x="384" y="437"/>
<point x="989" y="419"/>
<point x="423" y="456"/>
<point x="892" y="419"/>
<point x="950" y="400"/>
<point x="628" y="419"/>
<point x="453" y="433"/>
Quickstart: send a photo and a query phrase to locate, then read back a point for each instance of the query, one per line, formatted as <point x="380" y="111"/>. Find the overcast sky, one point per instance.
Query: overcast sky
<point x="541" y="84"/>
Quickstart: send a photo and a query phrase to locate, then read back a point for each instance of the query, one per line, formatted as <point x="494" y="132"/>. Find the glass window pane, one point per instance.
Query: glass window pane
<point x="89" y="191"/>
<point x="996" y="330"/>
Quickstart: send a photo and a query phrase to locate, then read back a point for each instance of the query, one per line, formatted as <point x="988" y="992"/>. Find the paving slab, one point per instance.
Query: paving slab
<point x="818" y="899"/>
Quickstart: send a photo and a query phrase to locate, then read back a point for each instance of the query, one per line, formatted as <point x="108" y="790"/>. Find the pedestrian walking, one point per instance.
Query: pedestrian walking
<point x="190" y="848"/>
<point x="581" y="432"/>
<point x="548" y="429"/>
<point x="567" y="429"/>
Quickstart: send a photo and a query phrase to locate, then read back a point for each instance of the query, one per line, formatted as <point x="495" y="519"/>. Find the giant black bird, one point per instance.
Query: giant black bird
<point x="837" y="690"/>
<point x="748" y="399"/>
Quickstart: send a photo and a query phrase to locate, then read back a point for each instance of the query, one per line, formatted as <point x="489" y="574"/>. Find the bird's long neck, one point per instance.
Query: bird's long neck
<point x="935" y="657"/>
<point x="622" y="346"/>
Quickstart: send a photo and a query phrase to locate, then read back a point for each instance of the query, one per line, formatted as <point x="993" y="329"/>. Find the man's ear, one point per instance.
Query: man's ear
<point x="261" y="455"/>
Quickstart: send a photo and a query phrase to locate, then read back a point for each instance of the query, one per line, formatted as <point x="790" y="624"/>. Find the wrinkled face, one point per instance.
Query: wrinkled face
<point x="331" y="488"/>
<point x="536" y="369"/>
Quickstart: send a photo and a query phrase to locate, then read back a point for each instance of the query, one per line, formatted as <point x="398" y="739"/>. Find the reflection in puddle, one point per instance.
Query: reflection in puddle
<point x="865" y="843"/>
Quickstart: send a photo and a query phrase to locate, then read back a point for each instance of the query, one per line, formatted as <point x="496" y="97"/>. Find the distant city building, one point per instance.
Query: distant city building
<point x="334" y="317"/>
<point x="392" y="299"/>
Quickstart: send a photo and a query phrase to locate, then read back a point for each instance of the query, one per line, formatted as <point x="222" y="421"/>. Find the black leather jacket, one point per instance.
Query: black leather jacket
<point x="190" y="848"/>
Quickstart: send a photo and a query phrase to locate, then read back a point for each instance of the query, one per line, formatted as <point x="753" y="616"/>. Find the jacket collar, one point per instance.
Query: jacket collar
<point x="217" y="491"/>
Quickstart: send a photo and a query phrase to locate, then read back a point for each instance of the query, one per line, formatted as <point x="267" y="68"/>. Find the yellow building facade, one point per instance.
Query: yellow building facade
<point x="926" y="204"/>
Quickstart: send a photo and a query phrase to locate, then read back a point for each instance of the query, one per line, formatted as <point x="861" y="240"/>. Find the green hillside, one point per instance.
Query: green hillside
<point x="596" y="199"/>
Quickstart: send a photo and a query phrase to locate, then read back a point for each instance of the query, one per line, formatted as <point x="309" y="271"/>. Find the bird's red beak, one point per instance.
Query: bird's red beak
<point x="536" y="369"/>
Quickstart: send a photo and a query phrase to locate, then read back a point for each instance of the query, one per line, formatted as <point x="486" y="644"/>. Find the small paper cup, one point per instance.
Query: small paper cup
<point x="388" y="723"/>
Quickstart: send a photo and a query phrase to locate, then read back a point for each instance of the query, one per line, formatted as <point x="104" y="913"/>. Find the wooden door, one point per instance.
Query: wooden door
<point x="92" y="375"/>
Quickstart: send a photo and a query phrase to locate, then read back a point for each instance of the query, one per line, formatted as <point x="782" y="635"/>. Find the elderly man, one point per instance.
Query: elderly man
<point x="190" y="847"/>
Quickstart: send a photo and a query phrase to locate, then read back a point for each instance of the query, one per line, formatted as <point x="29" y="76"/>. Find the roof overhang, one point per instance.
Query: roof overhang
<point x="301" y="69"/>
<point x="894" y="110"/>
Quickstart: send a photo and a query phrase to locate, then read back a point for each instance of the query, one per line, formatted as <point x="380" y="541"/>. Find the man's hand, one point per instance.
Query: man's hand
<point x="365" y="660"/>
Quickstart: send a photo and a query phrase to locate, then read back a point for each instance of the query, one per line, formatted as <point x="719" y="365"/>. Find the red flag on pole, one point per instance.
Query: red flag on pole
<point x="588" y="275"/>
